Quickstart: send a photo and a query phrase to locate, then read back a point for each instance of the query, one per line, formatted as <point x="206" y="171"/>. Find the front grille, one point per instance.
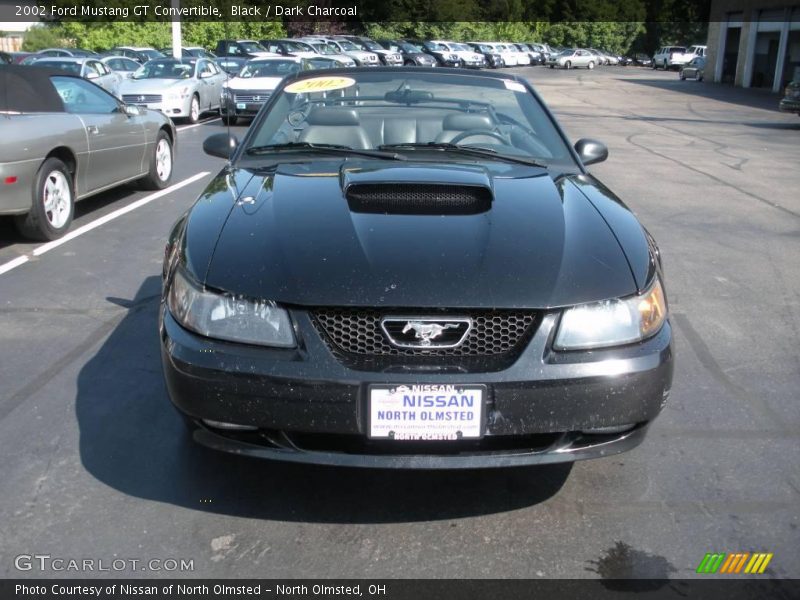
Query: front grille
<point x="419" y="198"/>
<point x="357" y="331"/>
<point x="142" y="98"/>
<point x="252" y="97"/>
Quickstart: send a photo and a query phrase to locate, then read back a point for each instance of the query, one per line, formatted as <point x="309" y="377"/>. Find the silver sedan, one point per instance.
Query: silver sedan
<point x="179" y="88"/>
<point x="573" y="57"/>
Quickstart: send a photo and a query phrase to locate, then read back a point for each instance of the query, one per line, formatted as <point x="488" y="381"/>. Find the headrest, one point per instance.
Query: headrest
<point x="330" y="116"/>
<point x="465" y="122"/>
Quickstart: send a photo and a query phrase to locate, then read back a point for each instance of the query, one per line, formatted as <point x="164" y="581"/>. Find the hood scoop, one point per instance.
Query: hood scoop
<point x="418" y="198"/>
<point x="418" y="190"/>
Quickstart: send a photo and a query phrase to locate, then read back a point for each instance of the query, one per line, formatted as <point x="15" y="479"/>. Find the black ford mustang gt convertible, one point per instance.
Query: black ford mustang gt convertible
<point x="410" y="268"/>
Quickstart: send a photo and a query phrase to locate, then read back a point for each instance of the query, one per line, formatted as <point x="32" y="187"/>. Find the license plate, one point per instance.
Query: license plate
<point x="426" y="412"/>
<point x="240" y="106"/>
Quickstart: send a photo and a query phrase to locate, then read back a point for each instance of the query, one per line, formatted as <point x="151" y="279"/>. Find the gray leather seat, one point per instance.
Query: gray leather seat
<point x="459" y="123"/>
<point x="335" y="126"/>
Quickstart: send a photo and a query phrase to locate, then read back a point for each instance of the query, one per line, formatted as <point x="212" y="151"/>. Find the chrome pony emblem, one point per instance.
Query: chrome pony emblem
<point x="426" y="332"/>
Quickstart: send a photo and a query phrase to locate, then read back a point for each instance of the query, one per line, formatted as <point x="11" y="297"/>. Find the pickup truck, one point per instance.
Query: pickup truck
<point x="241" y="49"/>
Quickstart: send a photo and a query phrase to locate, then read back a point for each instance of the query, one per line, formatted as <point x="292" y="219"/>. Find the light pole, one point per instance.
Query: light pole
<point x="177" y="48"/>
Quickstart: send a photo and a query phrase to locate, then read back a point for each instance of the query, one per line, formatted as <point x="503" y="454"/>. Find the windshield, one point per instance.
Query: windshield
<point x="296" y="46"/>
<point x="322" y="63"/>
<point x="150" y="53"/>
<point x="68" y="67"/>
<point x="252" y="47"/>
<point x="323" y="48"/>
<point x="372" y="45"/>
<point x="347" y="45"/>
<point x="272" y="68"/>
<point x="375" y="110"/>
<point x="410" y="47"/>
<point x="165" y="69"/>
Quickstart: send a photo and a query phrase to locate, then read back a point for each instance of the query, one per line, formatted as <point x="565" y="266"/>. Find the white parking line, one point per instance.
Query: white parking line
<point x="185" y="127"/>
<point x="39" y="250"/>
<point x="13" y="264"/>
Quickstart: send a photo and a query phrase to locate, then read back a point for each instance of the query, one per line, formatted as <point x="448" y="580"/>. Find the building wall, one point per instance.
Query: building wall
<point x="767" y="42"/>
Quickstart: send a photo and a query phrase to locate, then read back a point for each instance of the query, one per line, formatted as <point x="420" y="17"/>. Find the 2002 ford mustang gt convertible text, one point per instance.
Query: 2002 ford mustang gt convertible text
<point x="410" y="268"/>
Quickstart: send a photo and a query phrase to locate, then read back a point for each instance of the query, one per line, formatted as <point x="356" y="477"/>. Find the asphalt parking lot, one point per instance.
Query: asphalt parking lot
<point x="96" y="463"/>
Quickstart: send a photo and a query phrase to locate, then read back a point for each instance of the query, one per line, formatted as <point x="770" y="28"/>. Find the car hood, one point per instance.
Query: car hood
<point x="289" y="234"/>
<point x="254" y="83"/>
<point x="154" y="86"/>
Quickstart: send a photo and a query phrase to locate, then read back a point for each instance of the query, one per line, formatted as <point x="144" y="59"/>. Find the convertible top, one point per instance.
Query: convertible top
<point x="28" y="89"/>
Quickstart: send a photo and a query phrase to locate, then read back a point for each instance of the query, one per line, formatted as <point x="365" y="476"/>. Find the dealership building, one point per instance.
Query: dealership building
<point x="754" y="43"/>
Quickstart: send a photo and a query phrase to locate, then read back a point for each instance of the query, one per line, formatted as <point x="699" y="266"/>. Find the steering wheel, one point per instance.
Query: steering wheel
<point x="480" y="132"/>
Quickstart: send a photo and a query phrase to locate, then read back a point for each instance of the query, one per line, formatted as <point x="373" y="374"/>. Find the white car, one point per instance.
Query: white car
<point x="509" y="58"/>
<point x="467" y="56"/>
<point x="668" y="57"/>
<point x="523" y="58"/>
<point x="245" y="94"/>
<point x="180" y="88"/>
<point x="510" y="55"/>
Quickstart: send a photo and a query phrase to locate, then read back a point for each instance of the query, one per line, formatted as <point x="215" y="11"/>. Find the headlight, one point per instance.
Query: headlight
<point x="228" y="317"/>
<point x="613" y="322"/>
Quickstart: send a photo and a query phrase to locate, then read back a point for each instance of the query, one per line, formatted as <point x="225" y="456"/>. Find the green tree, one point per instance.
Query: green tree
<point x="39" y="37"/>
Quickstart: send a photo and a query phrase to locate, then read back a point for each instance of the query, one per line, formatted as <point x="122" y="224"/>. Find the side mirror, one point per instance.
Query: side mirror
<point x="220" y="145"/>
<point x="132" y="110"/>
<point x="591" y="151"/>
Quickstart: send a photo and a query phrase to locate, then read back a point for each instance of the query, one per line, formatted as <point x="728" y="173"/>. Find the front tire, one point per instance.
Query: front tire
<point x="194" y="109"/>
<point x="568" y="64"/>
<point x="682" y="76"/>
<point x="161" y="164"/>
<point x="590" y="65"/>
<point x="53" y="203"/>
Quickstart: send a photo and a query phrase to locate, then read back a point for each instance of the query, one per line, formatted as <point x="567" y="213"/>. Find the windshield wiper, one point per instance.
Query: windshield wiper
<point x="328" y="148"/>
<point x="468" y="150"/>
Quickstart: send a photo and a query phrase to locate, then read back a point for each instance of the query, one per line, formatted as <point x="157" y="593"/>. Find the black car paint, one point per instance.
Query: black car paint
<point x="580" y="244"/>
<point x="299" y="230"/>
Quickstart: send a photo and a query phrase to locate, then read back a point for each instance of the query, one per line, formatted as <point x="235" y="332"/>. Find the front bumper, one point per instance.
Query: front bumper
<point x="229" y="107"/>
<point x="309" y="406"/>
<point x="175" y="109"/>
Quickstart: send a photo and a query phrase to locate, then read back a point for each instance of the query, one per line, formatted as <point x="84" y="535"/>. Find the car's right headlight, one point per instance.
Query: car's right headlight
<point x="613" y="322"/>
<point x="228" y="317"/>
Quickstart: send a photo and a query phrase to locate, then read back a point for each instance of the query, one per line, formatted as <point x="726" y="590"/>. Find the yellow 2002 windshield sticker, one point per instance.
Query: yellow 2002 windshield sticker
<point x="319" y="84"/>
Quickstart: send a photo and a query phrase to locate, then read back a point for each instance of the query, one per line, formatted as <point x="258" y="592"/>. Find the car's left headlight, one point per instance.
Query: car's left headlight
<point x="613" y="322"/>
<point x="228" y="317"/>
